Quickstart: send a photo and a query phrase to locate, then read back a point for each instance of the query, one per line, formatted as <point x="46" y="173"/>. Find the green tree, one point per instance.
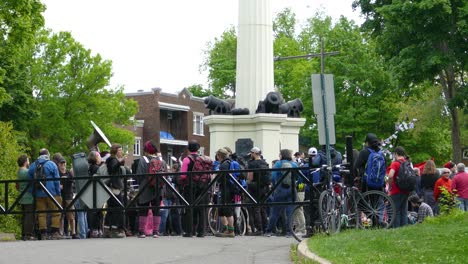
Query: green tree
<point x="19" y="23"/>
<point x="198" y="90"/>
<point x="70" y="90"/>
<point x="9" y="152"/>
<point x="220" y="61"/>
<point x="424" y="40"/>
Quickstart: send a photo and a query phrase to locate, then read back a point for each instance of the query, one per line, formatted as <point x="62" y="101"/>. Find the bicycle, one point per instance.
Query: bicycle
<point x="214" y="222"/>
<point x="369" y="210"/>
<point x="304" y="218"/>
<point x="330" y="208"/>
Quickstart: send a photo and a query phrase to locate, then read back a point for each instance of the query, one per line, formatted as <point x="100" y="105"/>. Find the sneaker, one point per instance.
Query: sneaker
<point x="118" y="234"/>
<point x="267" y="234"/>
<point x="256" y="233"/>
<point x="74" y="236"/>
<point x="141" y="235"/>
<point x="94" y="234"/>
<point x="200" y="235"/>
<point x="155" y="235"/>
<point x="106" y="233"/>
<point x="56" y="236"/>
<point x="129" y="233"/>
<point x="187" y="235"/>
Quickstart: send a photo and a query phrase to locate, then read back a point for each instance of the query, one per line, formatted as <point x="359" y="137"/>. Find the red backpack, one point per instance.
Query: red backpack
<point x="201" y="163"/>
<point x="155" y="166"/>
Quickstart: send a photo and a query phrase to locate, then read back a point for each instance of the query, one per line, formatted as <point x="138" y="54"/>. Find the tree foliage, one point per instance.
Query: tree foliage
<point x="424" y="40"/>
<point x="70" y="90"/>
<point x="19" y="23"/>
<point x="367" y="92"/>
<point x="221" y="64"/>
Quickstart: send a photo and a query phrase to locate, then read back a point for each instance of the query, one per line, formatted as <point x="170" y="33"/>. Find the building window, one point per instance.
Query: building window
<point x="198" y="124"/>
<point x="137" y="147"/>
<point x="201" y="151"/>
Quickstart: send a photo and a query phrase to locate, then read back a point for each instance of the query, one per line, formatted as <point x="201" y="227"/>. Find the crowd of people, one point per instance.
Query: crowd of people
<point x="149" y="219"/>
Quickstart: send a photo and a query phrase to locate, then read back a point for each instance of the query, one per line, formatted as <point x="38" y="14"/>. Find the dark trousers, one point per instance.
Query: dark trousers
<point x="114" y="217"/>
<point x="28" y="221"/>
<point x="195" y="216"/>
<point x="401" y="208"/>
<point x="95" y="220"/>
<point x="258" y="215"/>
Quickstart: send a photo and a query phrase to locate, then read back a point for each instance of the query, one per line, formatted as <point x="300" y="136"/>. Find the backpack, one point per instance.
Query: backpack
<point x="406" y="178"/>
<point x="155" y="166"/>
<point x="201" y="163"/>
<point x="265" y="176"/>
<point x="240" y="176"/>
<point x="39" y="173"/>
<point x="286" y="183"/>
<point x="374" y="174"/>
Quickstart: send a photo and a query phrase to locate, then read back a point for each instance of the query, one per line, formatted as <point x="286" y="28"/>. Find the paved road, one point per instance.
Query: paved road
<point x="207" y="250"/>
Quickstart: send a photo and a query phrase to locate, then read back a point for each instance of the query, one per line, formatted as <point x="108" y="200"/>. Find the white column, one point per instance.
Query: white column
<point x="254" y="72"/>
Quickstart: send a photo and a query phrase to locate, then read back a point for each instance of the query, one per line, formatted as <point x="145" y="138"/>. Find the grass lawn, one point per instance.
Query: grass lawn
<point x="441" y="239"/>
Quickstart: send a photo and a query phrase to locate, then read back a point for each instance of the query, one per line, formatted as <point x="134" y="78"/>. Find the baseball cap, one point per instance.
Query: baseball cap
<point x="312" y="151"/>
<point x="256" y="150"/>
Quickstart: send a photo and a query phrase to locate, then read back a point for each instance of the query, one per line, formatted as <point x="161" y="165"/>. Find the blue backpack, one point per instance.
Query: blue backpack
<point x="375" y="169"/>
<point x="239" y="177"/>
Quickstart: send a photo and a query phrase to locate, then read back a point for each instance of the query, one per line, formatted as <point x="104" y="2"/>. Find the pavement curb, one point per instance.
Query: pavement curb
<point x="6" y="237"/>
<point x="303" y="252"/>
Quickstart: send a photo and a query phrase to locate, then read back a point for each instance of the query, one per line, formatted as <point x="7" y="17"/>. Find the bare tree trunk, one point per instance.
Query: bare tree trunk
<point x="448" y="82"/>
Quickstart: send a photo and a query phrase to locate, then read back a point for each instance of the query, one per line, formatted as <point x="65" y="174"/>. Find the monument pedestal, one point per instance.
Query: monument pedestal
<point x="269" y="132"/>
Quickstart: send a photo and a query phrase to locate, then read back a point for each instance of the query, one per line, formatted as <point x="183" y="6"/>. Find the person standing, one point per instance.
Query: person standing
<point x="191" y="192"/>
<point x="66" y="178"/>
<point x="282" y="193"/>
<point x="259" y="182"/>
<point x="399" y="197"/>
<point x="27" y="224"/>
<point x="113" y="221"/>
<point x="443" y="183"/>
<point x="94" y="217"/>
<point x="226" y="214"/>
<point x="460" y="186"/>
<point x="151" y="195"/>
<point x="43" y="201"/>
<point x="372" y="144"/>
<point x="429" y="177"/>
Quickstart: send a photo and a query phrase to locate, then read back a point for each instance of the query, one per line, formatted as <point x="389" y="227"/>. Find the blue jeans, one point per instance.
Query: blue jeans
<point x="164" y="214"/>
<point x="401" y="209"/>
<point x="463" y="204"/>
<point x="280" y="195"/>
<point x="82" y="221"/>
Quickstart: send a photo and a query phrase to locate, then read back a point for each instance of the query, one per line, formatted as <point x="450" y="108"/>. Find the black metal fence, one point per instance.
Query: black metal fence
<point x="94" y="190"/>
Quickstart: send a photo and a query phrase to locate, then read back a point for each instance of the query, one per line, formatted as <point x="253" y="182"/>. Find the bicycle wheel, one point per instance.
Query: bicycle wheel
<point x="213" y="221"/>
<point x="241" y="223"/>
<point x="297" y="223"/>
<point x="330" y="212"/>
<point x="375" y="210"/>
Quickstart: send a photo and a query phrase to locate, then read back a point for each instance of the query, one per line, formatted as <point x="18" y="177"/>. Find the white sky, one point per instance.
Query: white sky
<point x="160" y="43"/>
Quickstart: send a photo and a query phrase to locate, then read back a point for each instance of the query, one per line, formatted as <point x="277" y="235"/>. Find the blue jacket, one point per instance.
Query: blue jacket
<point x="276" y="175"/>
<point x="51" y="172"/>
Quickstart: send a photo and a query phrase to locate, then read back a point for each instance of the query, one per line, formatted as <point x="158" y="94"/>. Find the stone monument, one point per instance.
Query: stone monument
<point x="254" y="80"/>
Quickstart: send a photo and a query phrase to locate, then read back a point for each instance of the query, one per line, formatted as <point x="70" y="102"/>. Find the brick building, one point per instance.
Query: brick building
<point x="171" y="120"/>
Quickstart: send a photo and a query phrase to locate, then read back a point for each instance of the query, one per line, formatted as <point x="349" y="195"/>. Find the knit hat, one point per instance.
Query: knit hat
<point x="371" y="138"/>
<point x="449" y="165"/>
<point x="150" y="147"/>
